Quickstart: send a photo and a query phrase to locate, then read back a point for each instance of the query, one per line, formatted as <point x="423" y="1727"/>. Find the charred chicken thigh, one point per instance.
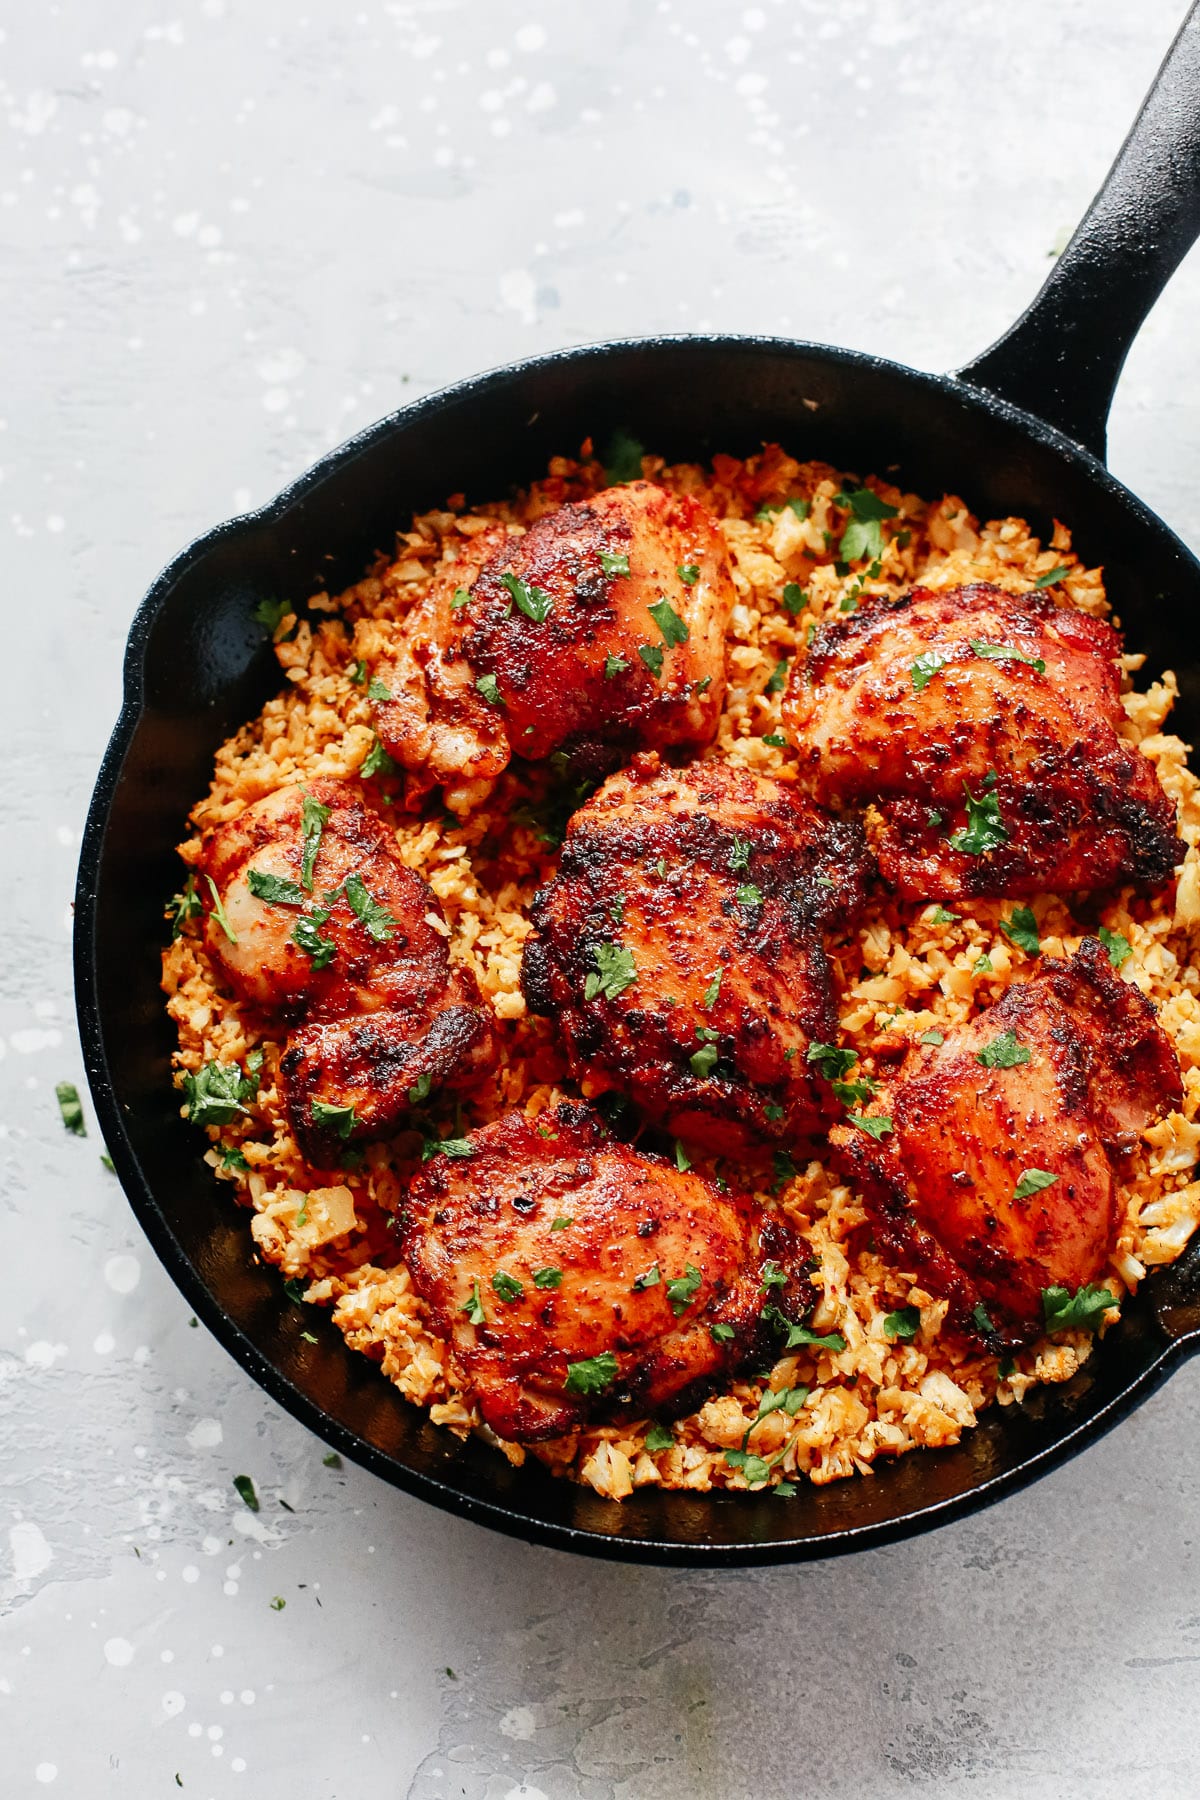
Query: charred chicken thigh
<point x="680" y="948"/>
<point x="984" y="726"/>
<point x="313" y="917"/>
<point x="989" y="1162"/>
<point x="576" y="1277"/>
<point x="598" y="630"/>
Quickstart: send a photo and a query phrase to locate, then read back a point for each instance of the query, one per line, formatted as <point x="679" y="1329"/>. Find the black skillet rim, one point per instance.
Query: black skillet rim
<point x="141" y="1198"/>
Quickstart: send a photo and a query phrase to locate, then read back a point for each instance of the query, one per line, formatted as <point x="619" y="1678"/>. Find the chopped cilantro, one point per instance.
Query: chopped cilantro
<point x="615" y="971"/>
<point x="623" y="458"/>
<point x="752" y="1467"/>
<point x="276" y="890"/>
<point x="673" y="629"/>
<point x="1118" y="946"/>
<point x="377" y="762"/>
<point x="1083" y="1310"/>
<point x="721" y="1333"/>
<point x="774" y="1113"/>
<point x="307" y="934"/>
<point x="1020" y="928"/>
<point x="458" y="1148"/>
<point x="272" y="613"/>
<point x="215" y="1095"/>
<point x="357" y="672"/>
<point x="110" y="1165"/>
<point x="340" y="1120"/>
<point x="831" y="1061"/>
<point x="803" y="1334"/>
<point x="776" y="740"/>
<point x="778" y="679"/>
<point x="313" y="819"/>
<point x="652" y="656"/>
<point x="378" y="690"/>
<point x="561" y="1223"/>
<point x="982" y="1319"/>
<point x="874" y="1127"/>
<point x="984" y="830"/>
<point x="613" y="666"/>
<point x="853" y="1093"/>
<point x="711" y="992"/>
<point x="420" y="1089"/>
<point x="782" y="1168"/>
<point x="379" y="922"/>
<point x="614" y="562"/>
<point x="218" y="911"/>
<point x="659" y="1438"/>
<point x="749" y="895"/>
<point x="703" y="1061"/>
<point x="932" y="1037"/>
<point x="702" y="686"/>
<point x="332" y="1460"/>
<point x="488" y="688"/>
<point x="1004" y="1052"/>
<point x="1052" y="576"/>
<point x="1006" y="653"/>
<point x="459" y="599"/>
<point x="739" y="855"/>
<point x="71" y="1108"/>
<point x="683" y="1161"/>
<point x="277" y="1605"/>
<point x="982" y="965"/>
<point x="532" y="601"/>
<point x="902" y="1326"/>
<point x="925" y="668"/>
<point x="232" y="1157"/>
<point x="682" y="1290"/>
<point x="594" y="1375"/>
<point x="183" y="906"/>
<point x="647" y="1279"/>
<point x="794" y="598"/>
<point x="941" y="916"/>
<point x="1032" y="1181"/>
<point x="547" y="1278"/>
<point x="863" y="536"/>
<point x="473" y="1306"/>
<point x="246" y="1492"/>
<point x="771" y="1275"/>
<point x="688" y="573"/>
<point x="507" y="1286"/>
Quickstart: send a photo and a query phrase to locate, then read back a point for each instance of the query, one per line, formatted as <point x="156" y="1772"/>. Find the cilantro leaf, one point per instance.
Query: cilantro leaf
<point x="614" y="562"/>
<point x="1020" y="928"/>
<point x="532" y="601"/>
<point x="902" y="1326"/>
<point x="459" y="599"/>
<point x="615" y="971"/>
<point x="688" y="573"/>
<point x="776" y="740"/>
<point x="778" y="679"/>
<point x="1004" y="1052"/>
<point x="683" y="1161"/>
<point x="1083" y="1310"/>
<point x="378" y="690"/>
<point x="1032" y="1181"/>
<point x="682" y="1290"/>
<point x="925" y="668"/>
<point x="712" y="992"/>
<point x="804" y="1334"/>
<point x="783" y="1170"/>
<point x="613" y="666"/>
<point x="340" y="1120"/>
<point x="1007" y="653"/>
<point x="215" y="1095"/>
<point x="985" y="830"/>
<point x="313" y="819"/>
<point x="933" y="1036"/>
<point x="272" y="613"/>
<point x="183" y="906"/>
<point x="749" y="895"/>
<point x="594" y="1375"/>
<point x="246" y="1492"/>
<point x="507" y="1286"/>
<point x="218" y="911"/>
<point x="623" y="458"/>
<point x="1118" y="946"/>
<point x="853" y="1093"/>
<point x="794" y="598"/>
<point x="982" y="1319"/>
<point x="752" y="1467"/>
<point x="739" y="855"/>
<point x="941" y="916"/>
<point x="547" y="1278"/>
<point x="71" y="1108"/>
<point x="307" y="934"/>
<point x="473" y="1306"/>
<point x="659" y="1438"/>
<point x="652" y="656"/>
<point x="453" y="1147"/>
<point x="831" y="1061"/>
<point x="874" y="1127"/>
<point x="673" y="629"/>
<point x="863" y="536"/>
<point x="276" y="890"/>
<point x="487" y="686"/>
<point x="1052" y="576"/>
<point x="380" y="924"/>
<point x="703" y="1061"/>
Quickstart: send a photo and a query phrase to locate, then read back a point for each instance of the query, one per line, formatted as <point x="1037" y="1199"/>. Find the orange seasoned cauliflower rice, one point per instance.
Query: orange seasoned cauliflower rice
<point x="904" y="970"/>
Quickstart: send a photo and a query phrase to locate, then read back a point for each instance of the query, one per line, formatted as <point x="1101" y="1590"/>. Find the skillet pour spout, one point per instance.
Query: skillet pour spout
<point x="1021" y="430"/>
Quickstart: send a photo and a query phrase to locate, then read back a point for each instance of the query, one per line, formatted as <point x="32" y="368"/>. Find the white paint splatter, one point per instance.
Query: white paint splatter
<point x="31" y="1040"/>
<point x="173" y="1702"/>
<point x="119" y="1652"/>
<point x="518" y="290"/>
<point x="531" y="38"/>
<point x="31" y="1554"/>
<point x="103" y="1344"/>
<point x="45" y="1772"/>
<point x="43" y="1355"/>
<point x="205" y="1434"/>
<point x="122" y="1273"/>
<point x="519" y="1723"/>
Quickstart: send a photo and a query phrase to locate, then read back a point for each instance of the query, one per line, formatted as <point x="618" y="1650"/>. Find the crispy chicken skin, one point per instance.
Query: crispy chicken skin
<point x="611" y="1312"/>
<point x="1036" y="730"/>
<point x="387" y="1019"/>
<point x="718" y="883"/>
<point x="942" y="1186"/>
<point x="473" y="679"/>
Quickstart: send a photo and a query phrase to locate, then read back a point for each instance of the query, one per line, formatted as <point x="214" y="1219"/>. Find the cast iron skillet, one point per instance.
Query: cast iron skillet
<point x="1020" y="431"/>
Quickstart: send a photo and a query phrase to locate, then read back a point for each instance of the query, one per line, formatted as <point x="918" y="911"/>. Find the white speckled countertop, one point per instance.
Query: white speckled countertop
<point x="234" y="231"/>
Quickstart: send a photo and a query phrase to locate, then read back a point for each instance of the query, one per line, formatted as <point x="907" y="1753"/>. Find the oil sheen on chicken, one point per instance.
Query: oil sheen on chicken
<point x="680" y="948"/>
<point x="998" y="1176"/>
<point x="321" y="925"/>
<point x="576" y="1277"/>
<point x="984" y="726"/>
<point x="598" y="630"/>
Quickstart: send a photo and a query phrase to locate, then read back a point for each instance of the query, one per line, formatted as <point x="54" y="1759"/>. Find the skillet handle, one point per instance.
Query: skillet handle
<point x="1062" y="358"/>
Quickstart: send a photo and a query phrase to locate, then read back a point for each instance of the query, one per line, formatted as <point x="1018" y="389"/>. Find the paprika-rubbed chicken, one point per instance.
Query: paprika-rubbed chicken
<point x="598" y="630"/>
<point x="984" y="726"/>
<point x="312" y="917"/>
<point x="576" y="1277"/>
<point x="989" y="1163"/>
<point x="680" y="948"/>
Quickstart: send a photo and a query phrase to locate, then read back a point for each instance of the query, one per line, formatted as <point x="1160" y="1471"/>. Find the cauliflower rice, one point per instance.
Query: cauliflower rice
<point x="902" y="971"/>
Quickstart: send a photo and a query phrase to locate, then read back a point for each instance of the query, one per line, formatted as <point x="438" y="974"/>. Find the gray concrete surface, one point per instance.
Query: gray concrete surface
<point x="233" y="231"/>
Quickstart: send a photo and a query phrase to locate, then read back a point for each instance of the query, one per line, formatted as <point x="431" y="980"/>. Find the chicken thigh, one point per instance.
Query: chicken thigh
<point x="312" y="916"/>
<point x="576" y="1277"/>
<point x="680" y="948"/>
<point x="989" y="1163"/>
<point x="600" y="629"/>
<point x="984" y="726"/>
